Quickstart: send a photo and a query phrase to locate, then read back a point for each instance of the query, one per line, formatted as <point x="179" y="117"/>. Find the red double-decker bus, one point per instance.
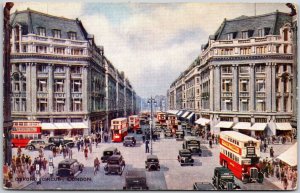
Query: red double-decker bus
<point x="161" y="118"/>
<point x="119" y="128"/>
<point x="134" y="122"/>
<point x="23" y="131"/>
<point x="240" y="153"/>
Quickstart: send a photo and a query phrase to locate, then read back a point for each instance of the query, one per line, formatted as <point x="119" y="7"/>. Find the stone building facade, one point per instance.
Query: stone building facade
<point x="59" y="75"/>
<point x="246" y="72"/>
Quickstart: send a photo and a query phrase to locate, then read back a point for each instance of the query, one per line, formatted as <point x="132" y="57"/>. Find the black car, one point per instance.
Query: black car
<point x="168" y="133"/>
<point x="109" y="152"/>
<point x="179" y="135"/>
<point x="135" y="180"/>
<point x="185" y="157"/>
<point x="115" y="164"/>
<point x="203" y="186"/>
<point x="193" y="144"/>
<point x="69" y="168"/>
<point x="224" y="179"/>
<point x="152" y="163"/>
<point x="60" y="140"/>
<point x="129" y="141"/>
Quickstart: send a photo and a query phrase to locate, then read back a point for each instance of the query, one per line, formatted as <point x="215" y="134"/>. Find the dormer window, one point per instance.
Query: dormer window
<point x="56" y="33"/>
<point x="267" y="30"/>
<point x="41" y="31"/>
<point x="244" y="34"/>
<point x="260" y="33"/>
<point x="72" y="35"/>
<point x="229" y="36"/>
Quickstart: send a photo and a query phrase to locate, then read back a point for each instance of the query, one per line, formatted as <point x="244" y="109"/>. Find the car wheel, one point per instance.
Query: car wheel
<point x="30" y="148"/>
<point x="192" y="164"/>
<point x="181" y="164"/>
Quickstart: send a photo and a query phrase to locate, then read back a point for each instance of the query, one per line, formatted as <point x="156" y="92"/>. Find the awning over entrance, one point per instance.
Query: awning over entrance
<point x="283" y="126"/>
<point x="190" y="116"/>
<point x="242" y="125"/>
<point x="289" y="156"/>
<point x="185" y="114"/>
<point x="225" y="124"/>
<point x="63" y="126"/>
<point x="202" y="121"/>
<point x="48" y="126"/>
<point x="259" y="126"/>
<point x="180" y="113"/>
<point x="172" y="112"/>
<point x="79" y="125"/>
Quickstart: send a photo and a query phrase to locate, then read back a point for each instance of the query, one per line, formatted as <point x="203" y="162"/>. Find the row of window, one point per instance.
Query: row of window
<point x="41" y="31"/>
<point x="59" y="69"/>
<point x="59" y="105"/>
<point x="244" y="85"/>
<point x="230" y="155"/>
<point x="57" y="50"/>
<point x="260" y="105"/>
<point x="248" y="33"/>
<point x="59" y="86"/>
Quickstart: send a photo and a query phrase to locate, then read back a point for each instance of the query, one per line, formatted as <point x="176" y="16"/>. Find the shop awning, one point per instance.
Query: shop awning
<point x="48" y="126"/>
<point x="202" y="121"/>
<point x="283" y="126"/>
<point x="289" y="156"/>
<point x="190" y="116"/>
<point x="258" y="126"/>
<point x="172" y="111"/>
<point x="242" y="125"/>
<point x="179" y="112"/>
<point x="63" y="126"/>
<point x="79" y="125"/>
<point x="185" y="114"/>
<point x="225" y="124"/>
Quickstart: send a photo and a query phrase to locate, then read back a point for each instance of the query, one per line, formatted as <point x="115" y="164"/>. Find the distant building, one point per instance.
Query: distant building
<point x="60" y="76"/>
<point x="243" y="78"/>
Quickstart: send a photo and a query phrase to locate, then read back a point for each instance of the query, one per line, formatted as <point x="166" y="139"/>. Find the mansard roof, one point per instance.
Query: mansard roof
<point x="271" y="21"/>
<point x="31" y="20"/>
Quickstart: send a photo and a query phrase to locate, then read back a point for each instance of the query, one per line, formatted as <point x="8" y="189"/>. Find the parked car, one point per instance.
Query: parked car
<point x="224" y="179"/>
<point x="203" y="186"/>
<point x="129" y="141"/>
<point x="168" y="133"/>
<point x="60" y="140"/>
<point x="193" y="144"/>
<point x="152" y="163"/>
<point x="135" y="180"/>
<point x="109" y="152"/>
<point x="179" y="135"/>
<point x="185" y="157"/>
<point x="115" y="164"/>
<point x="38" y="143"/>
<point x="69" y="168"/>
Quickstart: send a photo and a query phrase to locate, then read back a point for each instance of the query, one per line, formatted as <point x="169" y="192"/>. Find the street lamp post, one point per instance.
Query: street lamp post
<point x="151" y="101"/>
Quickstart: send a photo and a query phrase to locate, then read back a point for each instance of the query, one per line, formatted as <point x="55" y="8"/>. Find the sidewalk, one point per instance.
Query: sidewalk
<point x="278" y="149"/>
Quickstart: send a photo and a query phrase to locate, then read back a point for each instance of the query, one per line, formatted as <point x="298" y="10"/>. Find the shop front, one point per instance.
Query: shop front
<point x="243" y="127"/>
<point x="283" y="129"/>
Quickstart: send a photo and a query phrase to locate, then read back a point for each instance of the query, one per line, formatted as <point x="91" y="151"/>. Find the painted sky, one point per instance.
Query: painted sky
<point x="151" y="43"/>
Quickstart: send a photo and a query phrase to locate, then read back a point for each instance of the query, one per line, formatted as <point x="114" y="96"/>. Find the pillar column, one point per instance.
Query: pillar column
<point x="84" y="89"/>
<point x="252" y="87"/>
<point x="211" y="88"/>
<point x="281" y="83"/>
<point x="29" y="90"/>
<point x="273" y="87"/>
<point x="268" y="86"/>
<point x="33" y="88"/>
<point x="217" y="89"/>
<point x="235" y="86"/>
<point x="289" y="89"/>
<point x="67" y="89"/>
<point x="50" y="88"/>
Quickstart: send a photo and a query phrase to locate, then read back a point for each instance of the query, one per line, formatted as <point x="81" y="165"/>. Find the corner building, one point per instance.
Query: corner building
<point x="59" y="75"/>
<point x="246" y="76"/>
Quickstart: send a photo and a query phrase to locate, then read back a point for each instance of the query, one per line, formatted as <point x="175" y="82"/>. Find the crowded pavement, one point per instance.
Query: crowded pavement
<point x="171" y="176"/>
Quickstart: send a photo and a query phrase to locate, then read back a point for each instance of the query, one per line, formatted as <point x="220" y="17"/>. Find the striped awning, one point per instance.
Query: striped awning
<point x="185" y="114"/>
<point x="283" y="126"/>
<point x="190" y="116"/>
<point x="224" y="124"/>
<point x="242" y="125"/>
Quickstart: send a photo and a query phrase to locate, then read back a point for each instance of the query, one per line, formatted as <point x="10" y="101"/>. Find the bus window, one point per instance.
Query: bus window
<point x="40" y="136"/>
<point x="31" y="136"/>
<point x="21" y="136"/>
<point x="25" y="136"/>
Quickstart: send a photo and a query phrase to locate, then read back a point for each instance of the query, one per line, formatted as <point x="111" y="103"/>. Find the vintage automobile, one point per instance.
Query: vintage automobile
<point x="135" y="180"/>
<point x="203" y="186"/>
<point x="168" y="133"/>
<point x="224" y="179"/>
<point x="185" y="157"/>
<point x="109" y="152"/>
<point x="152" y="163"/>
<point x="60" y="140"/>
<point x="195" y="132"/>
<point x="193" y="144"/>
<point x="129" y="141"/>
<point x="179" y="135"/>
<point x="115" y="164"/>
<point x="69" y="168"/>
<point x="37" y="143"/>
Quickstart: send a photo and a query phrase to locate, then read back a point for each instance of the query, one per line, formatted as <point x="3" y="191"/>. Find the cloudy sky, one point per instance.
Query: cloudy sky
<point x="151" y="43"/>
